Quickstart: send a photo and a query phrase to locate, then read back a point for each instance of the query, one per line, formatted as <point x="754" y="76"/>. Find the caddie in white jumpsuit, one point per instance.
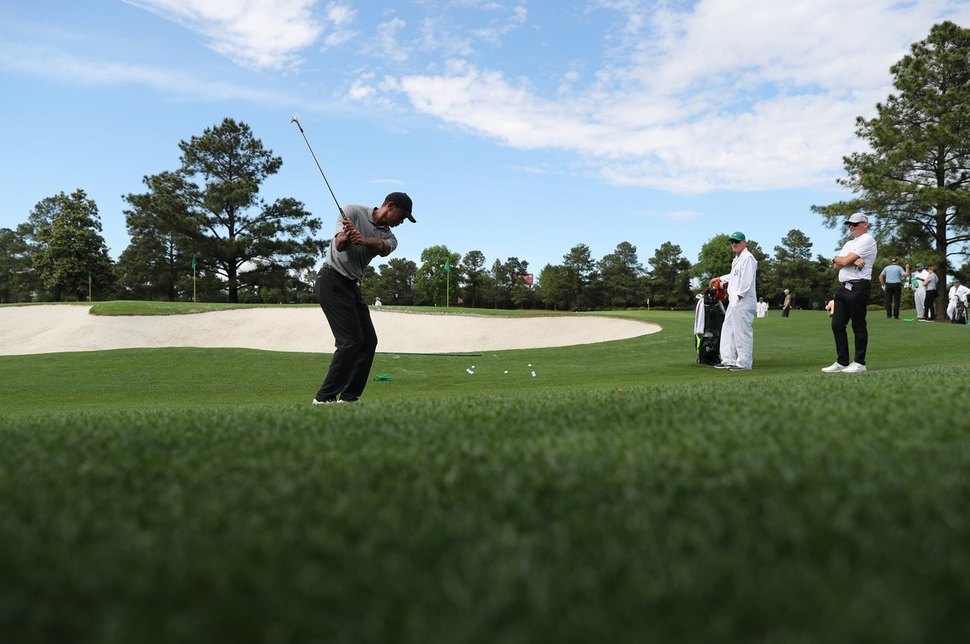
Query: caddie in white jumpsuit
<point x="737" y="333"/>
<point x="919" y="295"/>
<point x="958" y="295"/>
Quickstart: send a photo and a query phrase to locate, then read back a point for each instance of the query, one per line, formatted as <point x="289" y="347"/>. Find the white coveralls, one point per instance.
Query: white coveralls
<point x="958" y="293"/>
<point x="919" y="295"/>
<point x="737" y="333"/>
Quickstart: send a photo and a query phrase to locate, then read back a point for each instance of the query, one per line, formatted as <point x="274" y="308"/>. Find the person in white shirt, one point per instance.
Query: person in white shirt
<point x="737" y="332"/>
<point x="929" y="303"/>
<point x="762" y="307"/>
<point x="958" y="295"/>
<point x="854" y="263"/>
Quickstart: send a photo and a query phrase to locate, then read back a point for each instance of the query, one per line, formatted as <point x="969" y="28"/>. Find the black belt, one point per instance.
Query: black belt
<point x="856" y="281"/>
<point x="328" y="267"/>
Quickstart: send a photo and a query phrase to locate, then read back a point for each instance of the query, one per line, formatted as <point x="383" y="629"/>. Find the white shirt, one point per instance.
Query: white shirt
<point x="740" y="280"/>
<point x="865" y="247"/>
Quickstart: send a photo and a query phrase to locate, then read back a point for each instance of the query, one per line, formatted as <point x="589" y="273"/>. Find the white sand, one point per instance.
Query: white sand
<point x="63" y="328"/>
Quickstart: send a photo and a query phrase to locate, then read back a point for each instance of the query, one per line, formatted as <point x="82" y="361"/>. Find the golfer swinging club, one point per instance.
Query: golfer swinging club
<point x="362" y="234"/>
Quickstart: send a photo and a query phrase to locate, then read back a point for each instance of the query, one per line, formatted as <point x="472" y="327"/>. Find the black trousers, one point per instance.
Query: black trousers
<point x="850" y="305"/>
<point x="929" y="308"/>
<point x="894" y="293"/>
<point x="353" y="332"/>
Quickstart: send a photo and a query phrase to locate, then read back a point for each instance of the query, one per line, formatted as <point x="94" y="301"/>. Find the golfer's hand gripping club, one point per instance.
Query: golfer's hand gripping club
<point x="352" y="233"/>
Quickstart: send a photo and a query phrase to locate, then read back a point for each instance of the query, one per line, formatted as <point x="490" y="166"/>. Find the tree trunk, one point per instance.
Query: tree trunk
<point x="233" y="285"/>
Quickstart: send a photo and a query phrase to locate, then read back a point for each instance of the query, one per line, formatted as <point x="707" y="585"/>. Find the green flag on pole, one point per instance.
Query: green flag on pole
<point x="448" y="281"/>
<point x="193" y="262"/>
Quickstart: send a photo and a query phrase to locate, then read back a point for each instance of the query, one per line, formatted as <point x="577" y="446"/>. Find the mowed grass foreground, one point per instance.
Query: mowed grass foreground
<point x="624" y="494"/>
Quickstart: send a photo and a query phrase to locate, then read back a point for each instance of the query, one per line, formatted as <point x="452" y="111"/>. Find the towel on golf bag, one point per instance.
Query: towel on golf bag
<point x="708" y="320"/>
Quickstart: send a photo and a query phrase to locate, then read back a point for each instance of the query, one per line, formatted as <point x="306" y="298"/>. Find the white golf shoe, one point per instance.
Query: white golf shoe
<point x="326" y="402"/>
<point x="855" y="367"/>
<point x="835" y="367"/>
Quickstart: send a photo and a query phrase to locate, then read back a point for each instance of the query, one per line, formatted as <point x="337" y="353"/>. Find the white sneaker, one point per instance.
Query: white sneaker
<point x="835" y="367"/>
<point x="855" y="367"/>
<point x="325" y="402"/>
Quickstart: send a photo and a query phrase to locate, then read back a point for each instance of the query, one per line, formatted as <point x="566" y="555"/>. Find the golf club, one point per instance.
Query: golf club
<point x="297" y="121"/>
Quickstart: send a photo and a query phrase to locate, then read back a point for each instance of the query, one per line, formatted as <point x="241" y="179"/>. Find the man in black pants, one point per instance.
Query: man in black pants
<point x="362" y="234"/>
<point x="892" y="278"/>
<point x="854" y="264"/>
<point x="931" y="282"/>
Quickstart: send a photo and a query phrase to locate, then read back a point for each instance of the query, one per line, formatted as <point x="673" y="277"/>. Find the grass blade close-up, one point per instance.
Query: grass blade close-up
<point x="622" y="494"/>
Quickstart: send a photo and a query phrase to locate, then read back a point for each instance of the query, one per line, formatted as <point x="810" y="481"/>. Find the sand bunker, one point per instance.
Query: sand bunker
<point x="64" y="328"/>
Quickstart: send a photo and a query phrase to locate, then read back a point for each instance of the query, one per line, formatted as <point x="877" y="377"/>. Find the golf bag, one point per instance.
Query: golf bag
<point x="960" y="314"/>
<point x="708" y="319"/>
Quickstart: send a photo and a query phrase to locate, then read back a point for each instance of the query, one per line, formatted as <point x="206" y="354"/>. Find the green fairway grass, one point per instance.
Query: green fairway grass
<point x="624" y="494"/>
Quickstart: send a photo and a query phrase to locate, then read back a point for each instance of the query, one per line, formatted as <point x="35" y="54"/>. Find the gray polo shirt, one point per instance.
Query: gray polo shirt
<point x="352" y="261"/>
<point x="894" y="274"/>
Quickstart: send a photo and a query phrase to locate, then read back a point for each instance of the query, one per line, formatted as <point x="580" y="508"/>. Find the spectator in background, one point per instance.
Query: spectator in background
<point x="762" y="307"/>
<point x="786" y="305"/>
<point x="891" y="279"/>
<point x="930" y="282"/>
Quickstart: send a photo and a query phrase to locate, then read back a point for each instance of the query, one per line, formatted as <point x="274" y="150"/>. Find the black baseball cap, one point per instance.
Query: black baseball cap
<point x="402" y="201"/>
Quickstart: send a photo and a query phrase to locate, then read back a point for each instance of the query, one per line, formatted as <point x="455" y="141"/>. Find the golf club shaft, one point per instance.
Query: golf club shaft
<point x="297" y="121"/>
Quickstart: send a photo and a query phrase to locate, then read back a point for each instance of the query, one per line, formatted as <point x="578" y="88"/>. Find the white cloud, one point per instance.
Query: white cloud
<point x="260" y="34"/>
<point x="389" y="39"/>
<point x="726" y="94"/>
<point x="52" y="63"/>
<point x="495" y="33"/>
<point x="340" y="17"/>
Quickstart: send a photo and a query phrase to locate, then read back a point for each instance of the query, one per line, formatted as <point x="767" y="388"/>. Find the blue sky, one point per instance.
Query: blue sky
<point x="520" y="128"/>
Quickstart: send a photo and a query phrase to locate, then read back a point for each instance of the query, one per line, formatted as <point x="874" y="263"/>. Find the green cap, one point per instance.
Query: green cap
<point x="738" y="236"/>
